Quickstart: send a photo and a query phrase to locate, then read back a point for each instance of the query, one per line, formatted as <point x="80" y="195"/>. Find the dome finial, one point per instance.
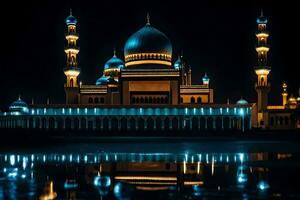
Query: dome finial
<point x="70" y="11"/>
<point x="115" y="52"/>
<point x="148" y="18"/>
<point x="19" y="98"/>
<point x="261" y="13"/>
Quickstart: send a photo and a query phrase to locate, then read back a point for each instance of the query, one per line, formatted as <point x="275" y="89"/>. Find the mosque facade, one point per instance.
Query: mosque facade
<point x="148" y="89"/>
<point x="147" y="75"/>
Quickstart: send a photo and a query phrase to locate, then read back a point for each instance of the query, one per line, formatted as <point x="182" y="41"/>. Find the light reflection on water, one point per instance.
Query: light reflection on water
<point x="148" y="176"/>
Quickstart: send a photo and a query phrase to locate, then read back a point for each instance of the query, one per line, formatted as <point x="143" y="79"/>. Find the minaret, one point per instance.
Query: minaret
<point x="186" y="72"/>
<point x="71" y="70"/>
<point x="284" y="94"/>
<point x="262" y="69"/>
<point x="298" y="98"/>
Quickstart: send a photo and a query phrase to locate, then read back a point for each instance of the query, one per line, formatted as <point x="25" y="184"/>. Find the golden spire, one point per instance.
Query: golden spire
<point x="284" y="94"/>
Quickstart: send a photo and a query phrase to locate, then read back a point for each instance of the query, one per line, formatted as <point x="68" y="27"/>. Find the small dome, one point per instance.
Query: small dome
<point x="114" y="63"/>
<point x="205" y="77"/>
<point x="262" y="19"/>
<point x="242" y="102"/>
<point x="178" y="64"/>
<point x="71" y="20"/>
<point x="292" y="100"/>
<point x="18" y="106"/>
<point x="102" y="81"/>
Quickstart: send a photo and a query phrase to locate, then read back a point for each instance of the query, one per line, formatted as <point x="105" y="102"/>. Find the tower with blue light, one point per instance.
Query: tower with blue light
<point x="262" y="69"/>
<point x="71" y="70"/>
<point x="205" y="80"/>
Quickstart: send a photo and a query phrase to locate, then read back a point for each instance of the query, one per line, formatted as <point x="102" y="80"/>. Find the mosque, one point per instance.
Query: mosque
<point x="146" y="76"/>
<point x="151" y="90"/>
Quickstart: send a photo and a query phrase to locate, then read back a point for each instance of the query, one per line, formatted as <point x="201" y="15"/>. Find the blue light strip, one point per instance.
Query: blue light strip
<point x="209" y="111"/>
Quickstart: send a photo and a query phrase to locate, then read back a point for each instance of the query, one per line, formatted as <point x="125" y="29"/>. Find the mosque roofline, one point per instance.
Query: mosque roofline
<point x="140" y="106"/>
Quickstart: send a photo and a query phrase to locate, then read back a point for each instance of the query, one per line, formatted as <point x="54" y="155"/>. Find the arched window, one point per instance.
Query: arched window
<point x="71" y="82"/>
<point x="132" y="100"/>
<point x="146" y="100"/>
<point x="96" y="100"/>
<point x="150" y="100"/>
<point x="166" y="100"/>
<point x="142" y="100"/>
<point x="286" y="120"/>
<point x="281" y="120"/>
<point x="192" y="100"/>
<point x="73" y="59"/>
<point x="181" y="100"/>
<point x="272" y="121"/>
<point x="158" y="100"/>
<point x="262" y="81"/>
<point x="90" y="100"/>
<point x="101" y="100"/>
<point x="199" y="100"/>
<point x="137" y="100"/>
<point x="154" y="100"/>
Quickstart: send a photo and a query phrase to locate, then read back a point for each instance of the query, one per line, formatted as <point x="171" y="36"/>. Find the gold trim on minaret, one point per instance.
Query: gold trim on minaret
<point x="71" y="70"/>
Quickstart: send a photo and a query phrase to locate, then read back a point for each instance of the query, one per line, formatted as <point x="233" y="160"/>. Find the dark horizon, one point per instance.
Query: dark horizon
<point x="217" y="38"/>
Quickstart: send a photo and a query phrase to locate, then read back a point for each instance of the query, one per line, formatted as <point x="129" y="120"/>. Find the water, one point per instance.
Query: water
<point x="200" y="170"/>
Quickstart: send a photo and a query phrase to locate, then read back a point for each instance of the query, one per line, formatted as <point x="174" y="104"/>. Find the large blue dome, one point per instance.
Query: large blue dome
<point x="148" y="40"/>
<point x="71" y="20"/>
<point x="114" y="63"/>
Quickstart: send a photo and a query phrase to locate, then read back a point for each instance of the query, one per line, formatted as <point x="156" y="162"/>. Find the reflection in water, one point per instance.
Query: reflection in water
<point x="48" y="194"/>
<point x="123" y="176"/>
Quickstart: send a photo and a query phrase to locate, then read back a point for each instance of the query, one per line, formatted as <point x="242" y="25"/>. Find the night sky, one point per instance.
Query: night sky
<point x="217" y="38"/>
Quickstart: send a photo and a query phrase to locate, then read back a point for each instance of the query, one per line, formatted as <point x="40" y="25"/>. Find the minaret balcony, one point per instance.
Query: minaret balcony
<point x="72" y="49"/>
<point x="264" y="32"/>
<point x="72" y="36"/>
<point x="72" y="71"/>
<point x="262" y="47"/>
